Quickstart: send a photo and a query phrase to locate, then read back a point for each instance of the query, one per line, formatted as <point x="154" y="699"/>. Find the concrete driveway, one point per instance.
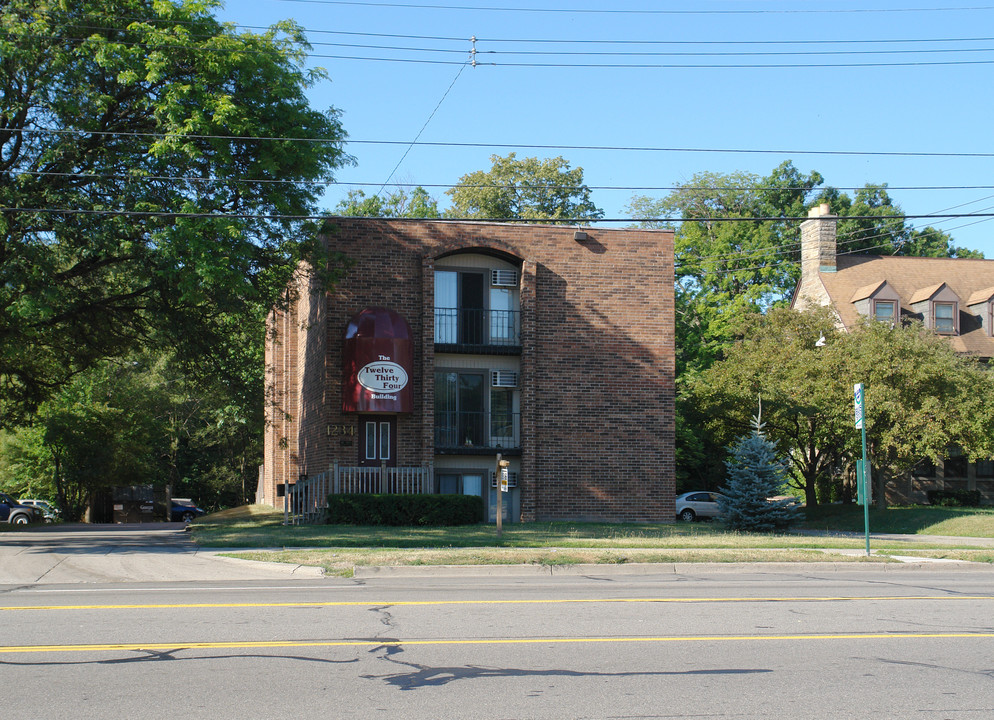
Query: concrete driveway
<point x="154" y="552"/>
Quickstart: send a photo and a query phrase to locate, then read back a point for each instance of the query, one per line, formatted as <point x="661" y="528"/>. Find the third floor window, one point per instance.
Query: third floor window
<point x="471" y="308"/>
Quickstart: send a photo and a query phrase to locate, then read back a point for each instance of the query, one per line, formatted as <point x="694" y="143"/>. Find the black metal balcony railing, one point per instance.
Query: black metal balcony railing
<point x="477" y="430"/>
<point x="460" y="326"/>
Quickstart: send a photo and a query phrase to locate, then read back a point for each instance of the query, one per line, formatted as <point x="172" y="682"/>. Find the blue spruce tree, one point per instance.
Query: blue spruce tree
<point x="755" y="474"/>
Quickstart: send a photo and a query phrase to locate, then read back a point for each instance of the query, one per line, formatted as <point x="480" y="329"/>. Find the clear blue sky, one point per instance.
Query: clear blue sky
<point x="859" y="76"/>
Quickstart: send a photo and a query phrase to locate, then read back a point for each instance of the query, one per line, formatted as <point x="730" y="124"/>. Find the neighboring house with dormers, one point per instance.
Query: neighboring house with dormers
<point x="952" y="296"/>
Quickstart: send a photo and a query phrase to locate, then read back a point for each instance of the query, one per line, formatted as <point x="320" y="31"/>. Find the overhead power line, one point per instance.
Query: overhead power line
<point x="501" y="146"/>
<point x="199" y="179"/>
<point x="516" y="220"/>
<point x="621" y="11"/>
<point x="495" y="61"/>
<point x="560" y="41"/>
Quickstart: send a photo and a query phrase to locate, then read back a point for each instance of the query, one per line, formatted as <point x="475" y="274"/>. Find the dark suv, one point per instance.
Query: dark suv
<point x="13" y="512"/>
<point x="183" y="510"/>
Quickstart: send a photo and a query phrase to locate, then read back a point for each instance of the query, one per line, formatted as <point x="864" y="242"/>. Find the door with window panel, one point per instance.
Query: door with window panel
<point x="377" y="441"/>
<point x="460" y="410"/>
<point x="459" y="307"/>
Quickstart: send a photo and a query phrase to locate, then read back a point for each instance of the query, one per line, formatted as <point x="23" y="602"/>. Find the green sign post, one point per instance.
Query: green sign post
<point x="862" y="467"/>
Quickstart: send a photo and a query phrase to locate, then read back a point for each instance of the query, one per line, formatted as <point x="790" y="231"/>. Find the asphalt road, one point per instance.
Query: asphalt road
<point x="809" y="641"/>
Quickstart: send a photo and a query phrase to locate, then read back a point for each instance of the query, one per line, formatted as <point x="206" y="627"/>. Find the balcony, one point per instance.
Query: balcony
<point x="476" y="433"/>
<point x="461" y="330"/>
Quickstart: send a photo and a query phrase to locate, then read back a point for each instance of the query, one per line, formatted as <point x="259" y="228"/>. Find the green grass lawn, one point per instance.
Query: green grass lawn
<point x="907" y="520"/>
<point x="339" y="548"/>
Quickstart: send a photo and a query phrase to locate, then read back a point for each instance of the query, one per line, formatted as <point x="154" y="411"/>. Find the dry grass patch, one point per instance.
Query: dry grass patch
<point x="341" y="561"/>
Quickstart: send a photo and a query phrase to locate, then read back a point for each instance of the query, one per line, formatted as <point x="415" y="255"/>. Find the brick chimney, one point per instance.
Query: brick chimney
<point x="818" y="242"/>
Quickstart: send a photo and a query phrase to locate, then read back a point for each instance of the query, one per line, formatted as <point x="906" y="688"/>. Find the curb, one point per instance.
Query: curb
<point x="299" y="571"/>
<point x="592" y="570"/>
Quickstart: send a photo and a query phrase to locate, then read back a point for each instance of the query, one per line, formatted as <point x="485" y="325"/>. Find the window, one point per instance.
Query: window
<point x="985" y="468"/>
<point x="471" y="413"/>
<point x="456" y="483"/>
<point x="884" y="311"/>
<point x="502" y="417"/>
<point x="472" y="309"/>
<point x="458" y="307"/>
<point x="944" y="317"/>
<point x="954" y="466"/>
<point x="459" y="409"/>
<point x="502" y="317"/>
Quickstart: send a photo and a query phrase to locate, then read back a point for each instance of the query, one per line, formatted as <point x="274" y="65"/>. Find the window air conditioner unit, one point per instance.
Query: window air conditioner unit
<point x="503" y="278"/>
<point x="503" y="378"/>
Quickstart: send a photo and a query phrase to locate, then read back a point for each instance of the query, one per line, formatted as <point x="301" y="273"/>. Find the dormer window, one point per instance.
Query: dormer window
<point x="938" y="306"/>
<point x="944" y="317"/>
<point x="884" y="310"/>
<point x="879" y="301"/>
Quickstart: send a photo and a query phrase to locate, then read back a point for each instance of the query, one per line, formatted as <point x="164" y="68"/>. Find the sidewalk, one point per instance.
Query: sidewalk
<point x="911" y="540"/>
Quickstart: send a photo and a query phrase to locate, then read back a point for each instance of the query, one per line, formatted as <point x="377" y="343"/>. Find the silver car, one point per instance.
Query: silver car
<point x="697" y="504"/>
<point x="50" y="511"/>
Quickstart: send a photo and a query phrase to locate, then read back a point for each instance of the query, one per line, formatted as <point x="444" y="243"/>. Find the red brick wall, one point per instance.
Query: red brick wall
<point x="597" y="363"/>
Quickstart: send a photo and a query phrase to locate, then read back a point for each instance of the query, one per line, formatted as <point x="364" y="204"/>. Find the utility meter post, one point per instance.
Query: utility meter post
<point x="500" y="474"/>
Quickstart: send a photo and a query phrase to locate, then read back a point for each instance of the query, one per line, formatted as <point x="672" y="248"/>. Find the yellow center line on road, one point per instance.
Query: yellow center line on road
<point x="549" y="601"/>
<point x="272" y="644"/>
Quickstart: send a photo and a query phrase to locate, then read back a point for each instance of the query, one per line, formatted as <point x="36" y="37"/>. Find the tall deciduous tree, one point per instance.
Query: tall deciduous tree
<point x="135" y="421"/>
<point x="736" y="255"/>
<point x="920" y="396"/>
<point x="525" y="189"/>
<point x="150" y="183"/>
<point x="414" y="204"/>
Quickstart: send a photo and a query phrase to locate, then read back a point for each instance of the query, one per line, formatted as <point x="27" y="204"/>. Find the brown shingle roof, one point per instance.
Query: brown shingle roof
<point x="981" y="296"/>
<point x="909" y="277"/>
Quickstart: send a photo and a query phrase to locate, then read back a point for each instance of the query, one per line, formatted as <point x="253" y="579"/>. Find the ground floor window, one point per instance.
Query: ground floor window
<point x="460" y="483"/>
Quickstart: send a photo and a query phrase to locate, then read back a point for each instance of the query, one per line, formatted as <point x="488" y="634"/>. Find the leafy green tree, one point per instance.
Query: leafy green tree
<point x="416" y="204"/>
<point x="929" y="242"/>
<point x="149" y="183"/>
<point x="755" y="476"/>
<point x="525" y="189"/>
<point x="95" y="433"/>
<point x="920" y="396"/>
<point x="737" y="255"/>
<point x="728" y="265"/>
<point x="138" y="421"/>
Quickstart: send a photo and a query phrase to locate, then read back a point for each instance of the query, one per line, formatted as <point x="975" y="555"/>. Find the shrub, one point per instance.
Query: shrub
<point x="403" y="510"/>
<point x="954" y="498"/>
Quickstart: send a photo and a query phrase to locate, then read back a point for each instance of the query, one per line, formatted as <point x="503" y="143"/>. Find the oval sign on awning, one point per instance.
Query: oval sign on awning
<point x="382" y="377"/>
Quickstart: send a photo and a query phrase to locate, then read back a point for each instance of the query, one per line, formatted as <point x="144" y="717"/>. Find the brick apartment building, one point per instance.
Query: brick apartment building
<point x="446" y="343"/>
<point x="952" y="296"/>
